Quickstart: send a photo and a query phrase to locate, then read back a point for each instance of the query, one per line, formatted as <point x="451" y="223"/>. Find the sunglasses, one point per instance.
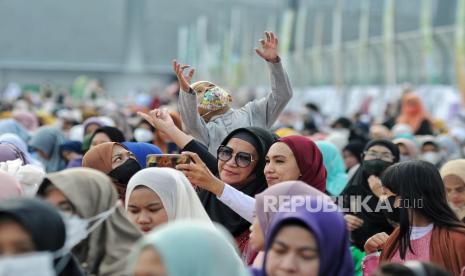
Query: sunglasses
<point x="242" y="159"/>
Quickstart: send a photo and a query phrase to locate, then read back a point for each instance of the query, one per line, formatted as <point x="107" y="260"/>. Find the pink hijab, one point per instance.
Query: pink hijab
<point x="9" y="186"/>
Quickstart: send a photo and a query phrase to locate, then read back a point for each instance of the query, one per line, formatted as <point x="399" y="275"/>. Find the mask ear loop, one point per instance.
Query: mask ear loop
<point x="100" y="218"/>
<point x="60" y="266"/>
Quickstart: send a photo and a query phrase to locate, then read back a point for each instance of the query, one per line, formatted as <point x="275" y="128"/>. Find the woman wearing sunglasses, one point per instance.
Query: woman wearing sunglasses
<point x="240" y="163"/>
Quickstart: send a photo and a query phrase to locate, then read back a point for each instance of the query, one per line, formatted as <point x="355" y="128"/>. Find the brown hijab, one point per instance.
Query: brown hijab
<point x="447" y="248"/>
<point x="91" y="192"/>
<point x="99" y="157"/>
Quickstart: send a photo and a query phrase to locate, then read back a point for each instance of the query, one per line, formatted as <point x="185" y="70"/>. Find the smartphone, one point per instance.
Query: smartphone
<point x="167" y="160"/>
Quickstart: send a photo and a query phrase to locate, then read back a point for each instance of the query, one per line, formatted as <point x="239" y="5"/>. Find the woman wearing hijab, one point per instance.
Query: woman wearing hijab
<point x="72" y="153"/>
<point x="210" y="251"/>
<point x="9" y="187"/>
<point x="90" y="195"/>
<point x="13" y="127"/>
<point x="363" y="223"/>
<point x="90" y="125"/>
<point x="450" y="148"/>
<point x="407" y="148"/>
<point x="114" y="160"/>
<point x="414" y="114"/>
<point x="158" y="195"/>
<point x="10" y="152"/>
<point x="31" y="225"/>
<point x="453" y="175"/>
<point x="298" y="154"/>
<point x="106" y="134"/>
<point x="46" y="141"/>
<point x="26" y="119"/>
<point x="241" y="162"/>
<point x="13" y="139"/>
<point x="141" y="150"/>
<point x="308" y="242"/>
<point x="353" y="157"/>
<point x="428" y="228"/>
<point x="263" y="217"/>
<point x="334" y="164"/>
<point x="431" y="151"/>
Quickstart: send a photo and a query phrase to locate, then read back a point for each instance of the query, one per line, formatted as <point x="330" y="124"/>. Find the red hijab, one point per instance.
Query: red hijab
<point x="309" y="159"/>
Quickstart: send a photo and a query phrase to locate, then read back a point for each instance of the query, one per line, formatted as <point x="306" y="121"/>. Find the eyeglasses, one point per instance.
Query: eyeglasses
<point x="243" y="159"/>
<point x="376" y="155"/>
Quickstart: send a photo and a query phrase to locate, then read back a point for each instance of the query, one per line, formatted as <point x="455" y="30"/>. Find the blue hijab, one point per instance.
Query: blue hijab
<point x="141" y="150"/>
<point x="12" y="126"/>
<point x="336" y="180"/>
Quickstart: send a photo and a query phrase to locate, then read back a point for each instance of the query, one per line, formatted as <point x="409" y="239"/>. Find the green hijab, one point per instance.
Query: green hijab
<point x="194" y="248"/>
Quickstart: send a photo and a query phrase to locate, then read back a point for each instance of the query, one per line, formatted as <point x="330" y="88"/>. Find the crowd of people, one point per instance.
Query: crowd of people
<point x="349" y="196"/>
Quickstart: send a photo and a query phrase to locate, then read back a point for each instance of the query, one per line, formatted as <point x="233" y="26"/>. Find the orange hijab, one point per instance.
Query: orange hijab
<point x="447" y="248"/>
<point x="413" y="112"/>
<point x="99" y="157"/>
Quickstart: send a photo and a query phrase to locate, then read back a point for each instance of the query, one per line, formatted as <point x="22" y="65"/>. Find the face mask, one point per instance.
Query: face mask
<point x="125" y="171"/>
<point x="375" y="167"/>
<point x="77" y="229"/>
<point x="143" y="135"/>
<point x="31" y="264"/>
<point x="394" y="215"/>
<point x="432" y="157"/>
<point x="404" y="158"/>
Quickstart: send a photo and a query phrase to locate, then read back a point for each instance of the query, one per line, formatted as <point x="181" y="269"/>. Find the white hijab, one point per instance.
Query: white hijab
<point x="175" y="191"/>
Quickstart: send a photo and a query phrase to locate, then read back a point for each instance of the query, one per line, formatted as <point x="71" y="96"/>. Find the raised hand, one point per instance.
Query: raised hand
<point x="158" y="118"/>
<point x="269" y="48"/>
<point x="184" y="80"/>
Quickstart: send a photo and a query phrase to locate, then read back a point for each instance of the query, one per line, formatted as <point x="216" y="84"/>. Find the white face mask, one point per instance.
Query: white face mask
<point x="404" y="158"/>
<point x="143" y="135"/>
<point x="432" y="157"/>
<point x="31" y="264"/>
<point x="77" y="229"/>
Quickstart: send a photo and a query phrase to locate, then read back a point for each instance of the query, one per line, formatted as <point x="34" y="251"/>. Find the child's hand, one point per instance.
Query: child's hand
<point x="184" y="81"/>
<point x="269" y="48"/>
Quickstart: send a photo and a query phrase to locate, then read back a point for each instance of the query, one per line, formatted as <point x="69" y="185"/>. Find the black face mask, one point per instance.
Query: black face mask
<point x="125" y="171"/>
<point x="375" y="167"/>
<point x="393" y="216"/>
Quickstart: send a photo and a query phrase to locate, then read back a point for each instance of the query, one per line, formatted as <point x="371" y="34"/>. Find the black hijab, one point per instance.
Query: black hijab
<point x="374" y="222"/>
<point x="45" y="226"/>
<point x="356" y="149"/>
<point x="221" y="213"/>
<point x="113" y="133"/>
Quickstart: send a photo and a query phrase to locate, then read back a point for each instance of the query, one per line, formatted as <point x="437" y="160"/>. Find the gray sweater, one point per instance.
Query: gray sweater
<point x="259" y="113"/>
